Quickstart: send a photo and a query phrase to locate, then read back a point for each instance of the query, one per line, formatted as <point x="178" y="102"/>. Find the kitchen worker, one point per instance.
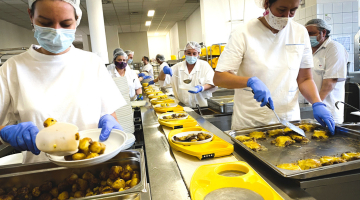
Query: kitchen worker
<point x="198" y="71"/>
<point x="54" y="80"/>
<point x="111" y="67"/>
<point x="148" y="68"/>
<point x="130" y="55"/>
<point x="330" y="66"/>
<point x="167" y="82"/>
<point x="122" y="69"/>
<point x="271" y="56"/>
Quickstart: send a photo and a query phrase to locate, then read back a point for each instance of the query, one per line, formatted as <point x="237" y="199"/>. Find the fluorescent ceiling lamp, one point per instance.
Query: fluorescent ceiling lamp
<point x="147" y="23"/>
<point x="156" y="34"/>
<point x="151" y="13"/>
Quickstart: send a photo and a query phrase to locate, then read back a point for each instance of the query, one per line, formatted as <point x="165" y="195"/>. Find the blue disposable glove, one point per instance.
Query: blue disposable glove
<point x="21" y="137"/>
<point x="151" y="82"/>
<point x="199" y="88"/>
<point x="108" y="123"/>
<point x="167" y="70"/>
<point x="261" y="92"/>
<point x="323" y="116"/>
<point x="140" y="97"/>
<point x="141" y="75"/>
<point x="147" y="77"/>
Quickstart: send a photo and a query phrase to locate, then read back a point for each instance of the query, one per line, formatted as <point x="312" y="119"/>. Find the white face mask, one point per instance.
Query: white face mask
<point x="277" y="23"/>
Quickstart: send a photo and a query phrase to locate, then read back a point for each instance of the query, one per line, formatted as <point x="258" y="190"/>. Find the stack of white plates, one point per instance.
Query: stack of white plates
<point x="125" y="114"/>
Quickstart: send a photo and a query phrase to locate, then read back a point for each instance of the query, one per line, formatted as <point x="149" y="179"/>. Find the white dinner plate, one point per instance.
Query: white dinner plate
<point x="114" y="144"/>
<point x="192" y="143"/>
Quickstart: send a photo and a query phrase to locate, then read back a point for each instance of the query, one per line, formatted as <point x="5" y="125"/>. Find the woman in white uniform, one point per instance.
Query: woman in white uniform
<point x="111" y="67"/>
<point x="54" y="80"/>
<point x="167" y="82"/>
<point x="129" y="61"/>
<point x="198" y="71"/>
<point x="122" y="69"/>
<point x="272" y="56"/>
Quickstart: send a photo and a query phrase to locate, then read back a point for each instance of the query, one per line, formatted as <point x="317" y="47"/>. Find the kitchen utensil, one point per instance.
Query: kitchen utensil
<point x="284" y="122"/>
<point x="187" y="81"/>
<point x="336" y="105"/>
<point x="198" y="107"/>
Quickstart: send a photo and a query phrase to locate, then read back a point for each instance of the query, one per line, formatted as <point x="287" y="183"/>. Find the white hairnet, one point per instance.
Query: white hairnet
<point x="74" y="3"/>
<point x="117" y="50"/>
<point x="193" y="45"/>
<point x="120" y="53"/>
<point x="318" y="23"/>
<point x="128" y="52"/>
<point x="160" y="57"/>
<point x="260" y="3"/>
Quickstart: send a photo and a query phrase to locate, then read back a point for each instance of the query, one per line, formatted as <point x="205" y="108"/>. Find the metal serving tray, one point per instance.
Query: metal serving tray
<point x="19" y="178"/>
<point x="221" y="103"/>
<point x="345" y="140"/>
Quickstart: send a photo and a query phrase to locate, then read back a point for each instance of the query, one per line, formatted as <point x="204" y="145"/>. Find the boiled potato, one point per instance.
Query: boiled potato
<point x="88" y="176"/>
<point x="83" y="185"/>
<point x="79" y="194"/>
<point x="78" y="156"/>
<point x="92" y="155"/>
<point x="72" y="178"/>
<point x="119" y="183"/>
<point x="127" y="167"/>
<point x="85" y="143"/>
<point x="54" y="192"/>
<point x="64" y="195"/>
<point x="134" y="182"/>
<point x="115" y="172"/>
<point x="126" y="175"/>
<point x="36" y="192"/>
<point x="95" y="147"/>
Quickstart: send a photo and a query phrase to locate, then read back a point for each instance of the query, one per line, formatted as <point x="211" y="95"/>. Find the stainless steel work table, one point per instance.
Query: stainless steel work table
<point x="166" y="181"/>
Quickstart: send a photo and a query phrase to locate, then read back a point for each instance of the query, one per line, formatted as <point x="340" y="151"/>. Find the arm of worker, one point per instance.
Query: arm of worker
<point x="326" y="87"/>
<point x="138" y="91"/>
<point x="229" y="80"/>
<point x="307" y="85"/>
<point x="1" y="127"/>
<point x="114" y="115"/>
<point x="161" y="76"/>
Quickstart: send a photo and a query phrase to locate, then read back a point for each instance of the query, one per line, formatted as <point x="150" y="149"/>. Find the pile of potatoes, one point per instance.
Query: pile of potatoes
<point x="87" y="149"/>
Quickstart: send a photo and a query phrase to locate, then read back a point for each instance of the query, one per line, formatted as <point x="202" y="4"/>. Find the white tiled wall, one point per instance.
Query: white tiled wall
<point x="341" y="15"/>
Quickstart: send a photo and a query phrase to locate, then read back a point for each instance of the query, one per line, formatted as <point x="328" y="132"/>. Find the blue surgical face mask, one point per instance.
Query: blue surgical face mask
<point x="54" y="40"/>
<point x="313" y="41"/>
<point x="191" y="59"/>
<point x="130" y="61"/>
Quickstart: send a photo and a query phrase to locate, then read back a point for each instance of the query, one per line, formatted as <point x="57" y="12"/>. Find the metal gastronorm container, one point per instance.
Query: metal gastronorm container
<point x="20" y="177"/>
<point x="344" y="140"/>
<point x="221" y="104"/>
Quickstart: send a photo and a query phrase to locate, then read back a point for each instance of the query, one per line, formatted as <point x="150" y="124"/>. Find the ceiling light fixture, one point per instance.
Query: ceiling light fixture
<point x="156" y="34"/>
<point x="151" y="13"/>
<point x="147" y="23"/>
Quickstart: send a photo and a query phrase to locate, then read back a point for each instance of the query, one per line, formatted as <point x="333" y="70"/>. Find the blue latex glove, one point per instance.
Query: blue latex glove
<point x="261" y="92"/>
<point x="147" y="77"/>
<point x="21" y="137"/>
<point x="141" y="75"/>
<point x="323" y="116"/>
<point x="140" y="97"/>
<point x="167" y="70"/>
<point x="151" y="82"/>
<point x="199" y="88"/>
<point x="108" y="123"/>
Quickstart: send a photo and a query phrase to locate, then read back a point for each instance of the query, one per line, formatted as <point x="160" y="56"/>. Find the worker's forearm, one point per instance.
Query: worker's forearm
<point x="139" y="91"/>
<point x="114" y="115"/>
<point x="309" y="91"/>
<point x="141" y="79"/>
<point x="208" y="87"/>
<point x="229" y="80"/>
<point x="327" y="86"/>
<point x="156" y="80"/>
<point x="162" y="76"/>
<point x="1" y="127"/>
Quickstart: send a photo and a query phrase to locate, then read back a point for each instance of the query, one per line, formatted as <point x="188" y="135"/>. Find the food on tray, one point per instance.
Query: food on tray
<point x="243" y="138"/>
<point x="58" y="137"/>
<point x="283" y="141"/>
<point x="76" y="186"/>
<point x="87" y="149"/>
<point x="164" y="105"/>
<point x="289" y="166"/>
<point x="174" y="116"/>
<point x="350" y="156"/>
<point x="329" y="160"/>
<point x="193" y="137"/>
<point x="287" y="130"/>
<point x="163" y="98"/>
<point x="307" y="127"/>
<point x="309" y="164"/>
<point x="299" y="138"/>
<point x="320" y="135"/>
<point x="253" y="145"/>
<point x="276" y="132"/>
<point x="258" y="135"/>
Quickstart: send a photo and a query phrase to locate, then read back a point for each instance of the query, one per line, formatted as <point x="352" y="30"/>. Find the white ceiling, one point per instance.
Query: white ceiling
<point x="116" y="13"/>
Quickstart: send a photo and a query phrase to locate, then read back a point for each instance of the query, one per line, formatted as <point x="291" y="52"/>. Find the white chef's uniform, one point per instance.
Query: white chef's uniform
<point x="330" y="62"/>
<point x="73" y="87"/>
<point x="167" y="82"/>
<point x="201" y="74"/>
<point x="149" y="68"/>
<point x="132" y="80"/>
<point x="253" y="50"/>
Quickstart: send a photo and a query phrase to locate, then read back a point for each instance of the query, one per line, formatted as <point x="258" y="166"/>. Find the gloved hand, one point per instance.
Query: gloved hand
<point x="108" y="123"/>
<point x="167" y="70"/>
<point x="139" y="97"/>
<point x="141" y="75"/>
<point x="199" y="88"/>
<point x="21" y="136"/>
<point x="323" y="116"/>
<point x="146" y="77"/>
<point x="151" y="82"/>
<point x="261" y="92"/>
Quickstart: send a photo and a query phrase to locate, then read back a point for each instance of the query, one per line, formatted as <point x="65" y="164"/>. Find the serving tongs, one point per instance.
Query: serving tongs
<point x="284" y="122"/>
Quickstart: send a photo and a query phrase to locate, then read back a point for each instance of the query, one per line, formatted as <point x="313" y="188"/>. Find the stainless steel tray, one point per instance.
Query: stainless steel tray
<point x="19" y="178"/>
<point x="345" y="140"/>
<point x="221" y="103"/>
